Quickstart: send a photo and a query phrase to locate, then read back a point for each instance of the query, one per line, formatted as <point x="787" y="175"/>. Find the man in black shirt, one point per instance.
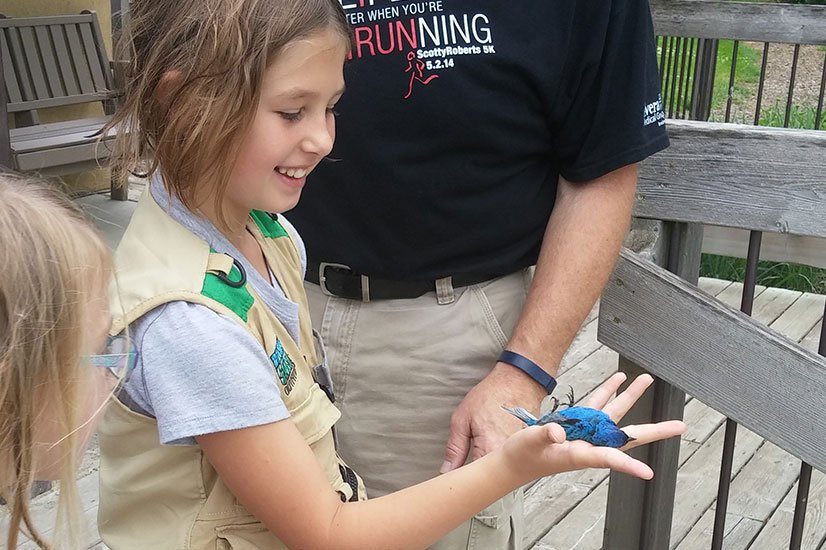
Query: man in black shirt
<point x="476" y="139"/>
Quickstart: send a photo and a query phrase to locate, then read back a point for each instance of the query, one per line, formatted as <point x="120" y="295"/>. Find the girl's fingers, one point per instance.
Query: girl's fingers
<point x="585" y="455"/>
<point x="617" y="408"/>
<point x="555" y="433"/>
<point x="588" y="456"/>
<point x="648" y="433"/>
<point x="623" y="463"/>
<point x="599" y="397"/>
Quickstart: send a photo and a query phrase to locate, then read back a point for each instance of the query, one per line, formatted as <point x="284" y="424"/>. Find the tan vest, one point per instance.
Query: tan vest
<point x="154" y="496"/>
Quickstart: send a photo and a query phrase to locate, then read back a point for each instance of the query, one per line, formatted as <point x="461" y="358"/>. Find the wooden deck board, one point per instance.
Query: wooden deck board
<point x="754" y="497"/>
<point x="778" y="530"/>
<point x="739" y="532"/>
<point x="568" y="511"/>
<point x="704" y="421"/>
<point x="812" y="339"/>
<point x="754" y="494"/>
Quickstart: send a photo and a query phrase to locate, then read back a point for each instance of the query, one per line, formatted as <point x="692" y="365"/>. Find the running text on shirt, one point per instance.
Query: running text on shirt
<point x="382" y="27"/>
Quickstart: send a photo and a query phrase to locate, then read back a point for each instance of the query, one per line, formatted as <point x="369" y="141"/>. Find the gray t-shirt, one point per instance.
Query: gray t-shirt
<point x="200" y="372"/>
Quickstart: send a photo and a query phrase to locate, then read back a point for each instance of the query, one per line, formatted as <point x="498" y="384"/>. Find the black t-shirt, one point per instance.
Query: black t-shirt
<point x="458" y="119"/>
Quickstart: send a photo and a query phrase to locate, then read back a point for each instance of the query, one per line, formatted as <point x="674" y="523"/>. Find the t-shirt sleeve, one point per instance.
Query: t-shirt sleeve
<point x="609" y="112"/>
<point x="200" y="372"/>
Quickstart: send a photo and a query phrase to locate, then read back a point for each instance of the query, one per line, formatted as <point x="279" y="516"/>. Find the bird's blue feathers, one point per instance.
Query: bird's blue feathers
<point x="583" y="423"/>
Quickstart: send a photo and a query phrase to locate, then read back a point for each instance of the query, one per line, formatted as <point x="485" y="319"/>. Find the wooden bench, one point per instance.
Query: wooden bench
<point x="47" y="62"/>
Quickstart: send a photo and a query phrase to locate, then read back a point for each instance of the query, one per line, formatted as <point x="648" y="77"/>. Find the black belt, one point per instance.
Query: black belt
<point x="340" y="280"/>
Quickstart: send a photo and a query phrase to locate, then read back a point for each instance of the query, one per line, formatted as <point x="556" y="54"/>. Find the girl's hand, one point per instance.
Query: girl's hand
<point x="539" y="451"/>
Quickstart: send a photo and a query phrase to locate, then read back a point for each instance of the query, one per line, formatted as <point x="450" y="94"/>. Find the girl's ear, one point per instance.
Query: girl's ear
<point x="165" y="91"/>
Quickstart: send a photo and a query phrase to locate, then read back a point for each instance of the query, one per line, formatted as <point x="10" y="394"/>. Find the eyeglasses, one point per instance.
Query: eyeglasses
<point x="119" y="359"/>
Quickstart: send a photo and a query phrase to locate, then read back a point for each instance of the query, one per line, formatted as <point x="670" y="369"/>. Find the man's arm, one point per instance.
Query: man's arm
<point x="581" y="244"/>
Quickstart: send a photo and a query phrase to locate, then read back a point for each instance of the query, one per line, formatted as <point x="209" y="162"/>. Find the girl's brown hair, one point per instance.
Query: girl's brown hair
<point x="193" y="83"/>
<point x="53" y="262"/>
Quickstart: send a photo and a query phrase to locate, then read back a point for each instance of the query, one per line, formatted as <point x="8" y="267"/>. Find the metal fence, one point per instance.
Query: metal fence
<point x="694" y="83"/>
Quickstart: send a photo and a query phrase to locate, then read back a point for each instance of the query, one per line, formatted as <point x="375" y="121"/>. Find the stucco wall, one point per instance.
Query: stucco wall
<point x="96" y="179"/>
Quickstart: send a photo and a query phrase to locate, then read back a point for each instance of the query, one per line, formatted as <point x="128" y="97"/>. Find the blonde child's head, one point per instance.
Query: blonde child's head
<point x="53" y="312"/>
<point x="193" y="83"/>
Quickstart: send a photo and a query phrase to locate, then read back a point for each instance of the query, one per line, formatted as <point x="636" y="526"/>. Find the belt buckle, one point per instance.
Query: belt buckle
<point x="322" y="279"/>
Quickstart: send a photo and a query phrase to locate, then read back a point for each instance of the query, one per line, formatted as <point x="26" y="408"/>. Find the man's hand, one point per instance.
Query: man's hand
<point x="477" y="422"/>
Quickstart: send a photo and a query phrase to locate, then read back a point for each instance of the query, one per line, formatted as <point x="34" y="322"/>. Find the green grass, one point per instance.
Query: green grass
<point x="777" y="274"/>
<point x="799" y="116"/>
<point x="746" y="74"/>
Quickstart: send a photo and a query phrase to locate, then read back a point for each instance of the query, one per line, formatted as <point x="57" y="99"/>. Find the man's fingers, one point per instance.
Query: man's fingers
<point x="599" y="397"/>
<point x="458" y="447"/>
<point x="617" y="408"/>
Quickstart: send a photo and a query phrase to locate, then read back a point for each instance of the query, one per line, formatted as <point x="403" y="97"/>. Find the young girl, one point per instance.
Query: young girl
<point x="53" y="318"/>
<point x="222" y="436"/>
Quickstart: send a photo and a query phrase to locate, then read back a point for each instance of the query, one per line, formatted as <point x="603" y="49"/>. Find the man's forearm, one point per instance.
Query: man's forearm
<point x="581" y="244"/>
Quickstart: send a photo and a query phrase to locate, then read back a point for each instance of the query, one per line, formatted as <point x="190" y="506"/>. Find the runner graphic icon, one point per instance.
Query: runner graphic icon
<point x="415" y="67"/>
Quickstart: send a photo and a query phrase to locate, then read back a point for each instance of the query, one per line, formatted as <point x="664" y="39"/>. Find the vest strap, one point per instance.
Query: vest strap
<point x="221" y="263"/>
<point x="227" y="284"/>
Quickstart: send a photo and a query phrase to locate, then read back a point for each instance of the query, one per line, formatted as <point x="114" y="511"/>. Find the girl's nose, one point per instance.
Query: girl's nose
<point x="320" y="136"/>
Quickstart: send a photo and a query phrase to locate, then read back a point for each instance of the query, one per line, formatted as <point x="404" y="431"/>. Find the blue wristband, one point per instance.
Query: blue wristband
<point x="530" y="368"/>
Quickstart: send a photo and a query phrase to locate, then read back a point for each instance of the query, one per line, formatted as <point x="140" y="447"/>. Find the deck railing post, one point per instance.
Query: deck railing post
<point x="639" y="513"/>
<point x="5" y="143"/>
<point x="703" y="79"/>
<point x="119" y="190"/>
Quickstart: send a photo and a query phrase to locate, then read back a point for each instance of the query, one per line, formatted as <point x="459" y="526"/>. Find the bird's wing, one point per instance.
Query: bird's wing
<point x="522" y="414"/>
<point x="553" y="417"/>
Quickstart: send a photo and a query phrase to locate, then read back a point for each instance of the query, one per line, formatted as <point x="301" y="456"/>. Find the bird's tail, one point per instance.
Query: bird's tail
<point x="522" y="414"/>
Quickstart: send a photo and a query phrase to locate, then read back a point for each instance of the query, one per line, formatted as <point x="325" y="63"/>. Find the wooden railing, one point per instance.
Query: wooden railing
<point x="688" y="37"/>
<point x="755" y="178"/>
<point x="758" y="22"/>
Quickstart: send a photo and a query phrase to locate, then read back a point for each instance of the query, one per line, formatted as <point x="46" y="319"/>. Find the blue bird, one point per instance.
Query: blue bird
<point x="584" y="423"/>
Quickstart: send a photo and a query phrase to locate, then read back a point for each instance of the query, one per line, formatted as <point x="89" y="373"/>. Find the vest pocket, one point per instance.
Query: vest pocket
<point x="315" y="416"/>
<point x="246" y="536"/>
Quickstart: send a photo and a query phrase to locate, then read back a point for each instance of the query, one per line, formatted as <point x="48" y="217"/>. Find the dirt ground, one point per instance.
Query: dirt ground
<point x="807" y="79"/>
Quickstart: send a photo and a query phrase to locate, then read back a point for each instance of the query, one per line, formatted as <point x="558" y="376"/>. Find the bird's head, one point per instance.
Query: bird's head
<point x="620" y="439"/>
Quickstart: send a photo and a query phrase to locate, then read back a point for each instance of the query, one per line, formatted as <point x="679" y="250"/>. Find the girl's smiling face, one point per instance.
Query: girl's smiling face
<point x="293" y="127"/>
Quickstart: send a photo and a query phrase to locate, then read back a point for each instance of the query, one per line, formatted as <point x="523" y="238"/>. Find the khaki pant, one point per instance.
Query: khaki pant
<point x="400" y="368"/>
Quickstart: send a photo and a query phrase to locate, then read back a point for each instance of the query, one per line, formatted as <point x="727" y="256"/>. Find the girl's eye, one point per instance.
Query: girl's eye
<point x="290" y="115"/>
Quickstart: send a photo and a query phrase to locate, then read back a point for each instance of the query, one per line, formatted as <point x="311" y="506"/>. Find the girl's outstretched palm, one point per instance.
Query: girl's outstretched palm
<point x="542" y="450"/>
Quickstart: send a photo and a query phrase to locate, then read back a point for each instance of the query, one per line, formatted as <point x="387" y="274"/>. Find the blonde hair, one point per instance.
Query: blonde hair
<point x="217" y="51"/>
<point x="52" y="261"/>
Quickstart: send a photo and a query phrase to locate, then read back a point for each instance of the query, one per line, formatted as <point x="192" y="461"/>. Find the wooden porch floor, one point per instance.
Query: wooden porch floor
<point x="568" y="511"/>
